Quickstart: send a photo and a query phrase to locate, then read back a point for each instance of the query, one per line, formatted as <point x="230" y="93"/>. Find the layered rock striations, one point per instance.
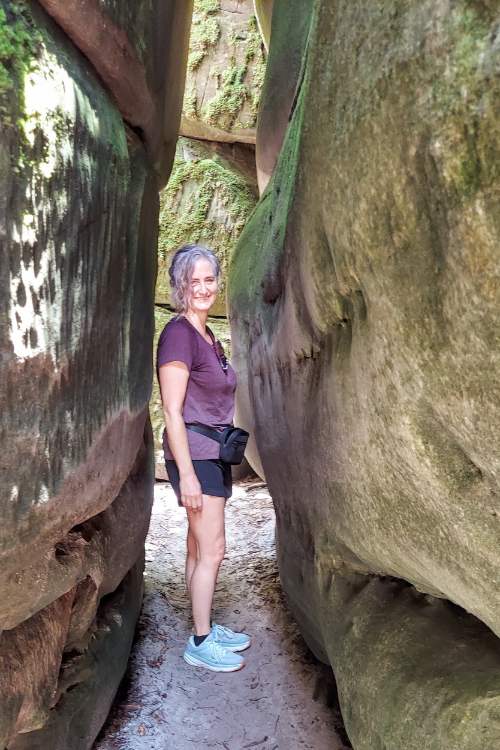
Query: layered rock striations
<point x="80" y="171"/>
<point x="365" y="301"/>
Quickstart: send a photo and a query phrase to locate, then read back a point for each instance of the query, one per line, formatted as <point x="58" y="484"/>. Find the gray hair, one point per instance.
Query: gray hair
<point x="181" y="271"/>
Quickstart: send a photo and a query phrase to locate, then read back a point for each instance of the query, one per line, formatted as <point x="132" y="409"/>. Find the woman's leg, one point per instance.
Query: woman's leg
<point x="207" y="528"/>
<point x="191" y="557"/>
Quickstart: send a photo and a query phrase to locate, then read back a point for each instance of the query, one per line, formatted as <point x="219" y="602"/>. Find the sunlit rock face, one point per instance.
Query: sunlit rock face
<point x="365" y="299"/>
<point x="264" y="14"/>
<point x="225" y="72"/>
<point x="78" y="230"/>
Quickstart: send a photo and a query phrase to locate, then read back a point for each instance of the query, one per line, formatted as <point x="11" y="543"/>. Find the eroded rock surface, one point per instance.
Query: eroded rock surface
<point x="78" y="229"/>
<point x="225" y="72"/>
<point x="365" y="296"/>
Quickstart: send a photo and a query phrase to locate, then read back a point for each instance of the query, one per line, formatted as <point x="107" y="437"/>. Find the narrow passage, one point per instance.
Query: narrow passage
<point x="277" y="702"/>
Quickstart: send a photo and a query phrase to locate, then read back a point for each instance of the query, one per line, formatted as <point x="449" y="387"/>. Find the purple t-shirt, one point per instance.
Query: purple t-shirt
<point x="210" y="391"/>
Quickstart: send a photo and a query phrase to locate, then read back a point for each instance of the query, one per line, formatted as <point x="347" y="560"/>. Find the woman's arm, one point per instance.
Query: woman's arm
<point x="173" y="383"/>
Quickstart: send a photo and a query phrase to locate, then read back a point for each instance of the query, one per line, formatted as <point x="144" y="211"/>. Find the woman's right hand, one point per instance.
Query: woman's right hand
<point x="190" y="490"/>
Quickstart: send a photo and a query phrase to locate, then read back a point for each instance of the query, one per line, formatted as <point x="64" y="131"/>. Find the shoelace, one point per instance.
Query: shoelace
<point x="217" y="650"/>
<point x="224" y="631"/>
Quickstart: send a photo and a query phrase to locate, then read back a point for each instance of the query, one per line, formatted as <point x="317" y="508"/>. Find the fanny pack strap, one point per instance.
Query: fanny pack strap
<point x="208" y="432"/>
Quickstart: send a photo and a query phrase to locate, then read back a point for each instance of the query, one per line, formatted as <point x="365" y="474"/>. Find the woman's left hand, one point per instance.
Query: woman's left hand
<point x="190" y="491"/>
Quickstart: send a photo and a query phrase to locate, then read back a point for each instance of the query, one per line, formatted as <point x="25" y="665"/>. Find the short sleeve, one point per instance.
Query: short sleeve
<point x="176" y="344"/>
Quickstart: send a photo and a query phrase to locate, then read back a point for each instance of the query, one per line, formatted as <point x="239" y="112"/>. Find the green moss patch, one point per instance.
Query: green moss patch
<point x="234" y="52"/>
<point x="19" y="45"/>
<point x="205" y="201"/>
<point x="205" y="31"/>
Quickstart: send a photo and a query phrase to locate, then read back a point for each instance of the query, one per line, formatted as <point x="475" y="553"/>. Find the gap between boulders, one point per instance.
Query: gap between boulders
<point x="283" y="698"/>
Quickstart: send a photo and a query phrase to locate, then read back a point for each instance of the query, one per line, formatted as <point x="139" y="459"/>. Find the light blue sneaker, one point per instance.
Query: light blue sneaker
<point x="212" y="655"/>
<point x="230" y="640"/>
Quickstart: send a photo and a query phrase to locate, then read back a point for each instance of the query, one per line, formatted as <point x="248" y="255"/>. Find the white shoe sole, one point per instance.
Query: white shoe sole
<point x="199" y="663"/>
<point x="235" y="649"/>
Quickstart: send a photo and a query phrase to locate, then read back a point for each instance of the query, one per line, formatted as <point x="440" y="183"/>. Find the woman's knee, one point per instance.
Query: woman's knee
<point x="213" y="554"/>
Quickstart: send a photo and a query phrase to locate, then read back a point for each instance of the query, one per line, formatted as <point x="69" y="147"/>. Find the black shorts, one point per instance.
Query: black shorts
<point x="213" y="474"/>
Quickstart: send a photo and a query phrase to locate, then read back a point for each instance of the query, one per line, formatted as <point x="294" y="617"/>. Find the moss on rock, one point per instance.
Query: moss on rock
<point x="207" y="201"/>
<point x="205" y="31"/>
<point x="225" y="70"/>
<point x="19" y="40"/>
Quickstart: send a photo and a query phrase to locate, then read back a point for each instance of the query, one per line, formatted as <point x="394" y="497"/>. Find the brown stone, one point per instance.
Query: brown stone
<point x="365" y="303"/>
<point x="225" y="71"/>
<point x="30" y="659"/>
<point x="79" y="217"/>
<point x="88" y="680"/>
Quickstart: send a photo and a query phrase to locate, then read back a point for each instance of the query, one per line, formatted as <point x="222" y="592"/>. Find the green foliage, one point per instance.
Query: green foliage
<point x="190" y="102"/>
<point x="225" y="107"/>
<point x="206" y="201"/>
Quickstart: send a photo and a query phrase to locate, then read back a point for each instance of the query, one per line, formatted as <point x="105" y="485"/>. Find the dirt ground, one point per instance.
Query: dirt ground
<point x="283" y="698"/>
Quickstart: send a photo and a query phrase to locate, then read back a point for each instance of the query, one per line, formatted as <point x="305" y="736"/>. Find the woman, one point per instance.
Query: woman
<point x="197" y="385"/>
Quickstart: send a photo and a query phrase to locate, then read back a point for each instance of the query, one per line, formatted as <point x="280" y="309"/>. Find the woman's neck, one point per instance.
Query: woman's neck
<point x="198" y="320"/>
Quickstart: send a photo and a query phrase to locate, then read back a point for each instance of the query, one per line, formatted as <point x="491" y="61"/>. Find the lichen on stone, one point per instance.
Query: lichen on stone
<point x="226" y="68"/>
<point x="205" y="201"/>
<point x="235" y="88"/>
<point x="205" y="31"/>
<point x="19" y="43"/>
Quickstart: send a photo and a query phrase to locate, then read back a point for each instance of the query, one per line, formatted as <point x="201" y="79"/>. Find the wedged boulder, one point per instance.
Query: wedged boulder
<point x="365" y="296"/>
<point x="208" y="199"/>
<point x="225" y="72"/>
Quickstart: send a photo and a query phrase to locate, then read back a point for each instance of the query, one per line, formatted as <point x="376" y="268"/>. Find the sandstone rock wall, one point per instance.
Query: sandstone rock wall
<point x="365" y="301"/>
<point x="80" y="167"/>
<point x="225" y="72"/>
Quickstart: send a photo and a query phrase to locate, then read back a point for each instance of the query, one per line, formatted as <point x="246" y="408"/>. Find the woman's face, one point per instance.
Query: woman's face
<point x="203" y="286"/>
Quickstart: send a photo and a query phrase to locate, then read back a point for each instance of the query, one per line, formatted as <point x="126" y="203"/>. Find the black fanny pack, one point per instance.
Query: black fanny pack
<point x="232" y="440"/>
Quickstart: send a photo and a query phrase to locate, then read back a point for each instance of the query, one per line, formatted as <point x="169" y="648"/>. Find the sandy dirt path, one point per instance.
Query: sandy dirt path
<point x="278" y="701"/>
